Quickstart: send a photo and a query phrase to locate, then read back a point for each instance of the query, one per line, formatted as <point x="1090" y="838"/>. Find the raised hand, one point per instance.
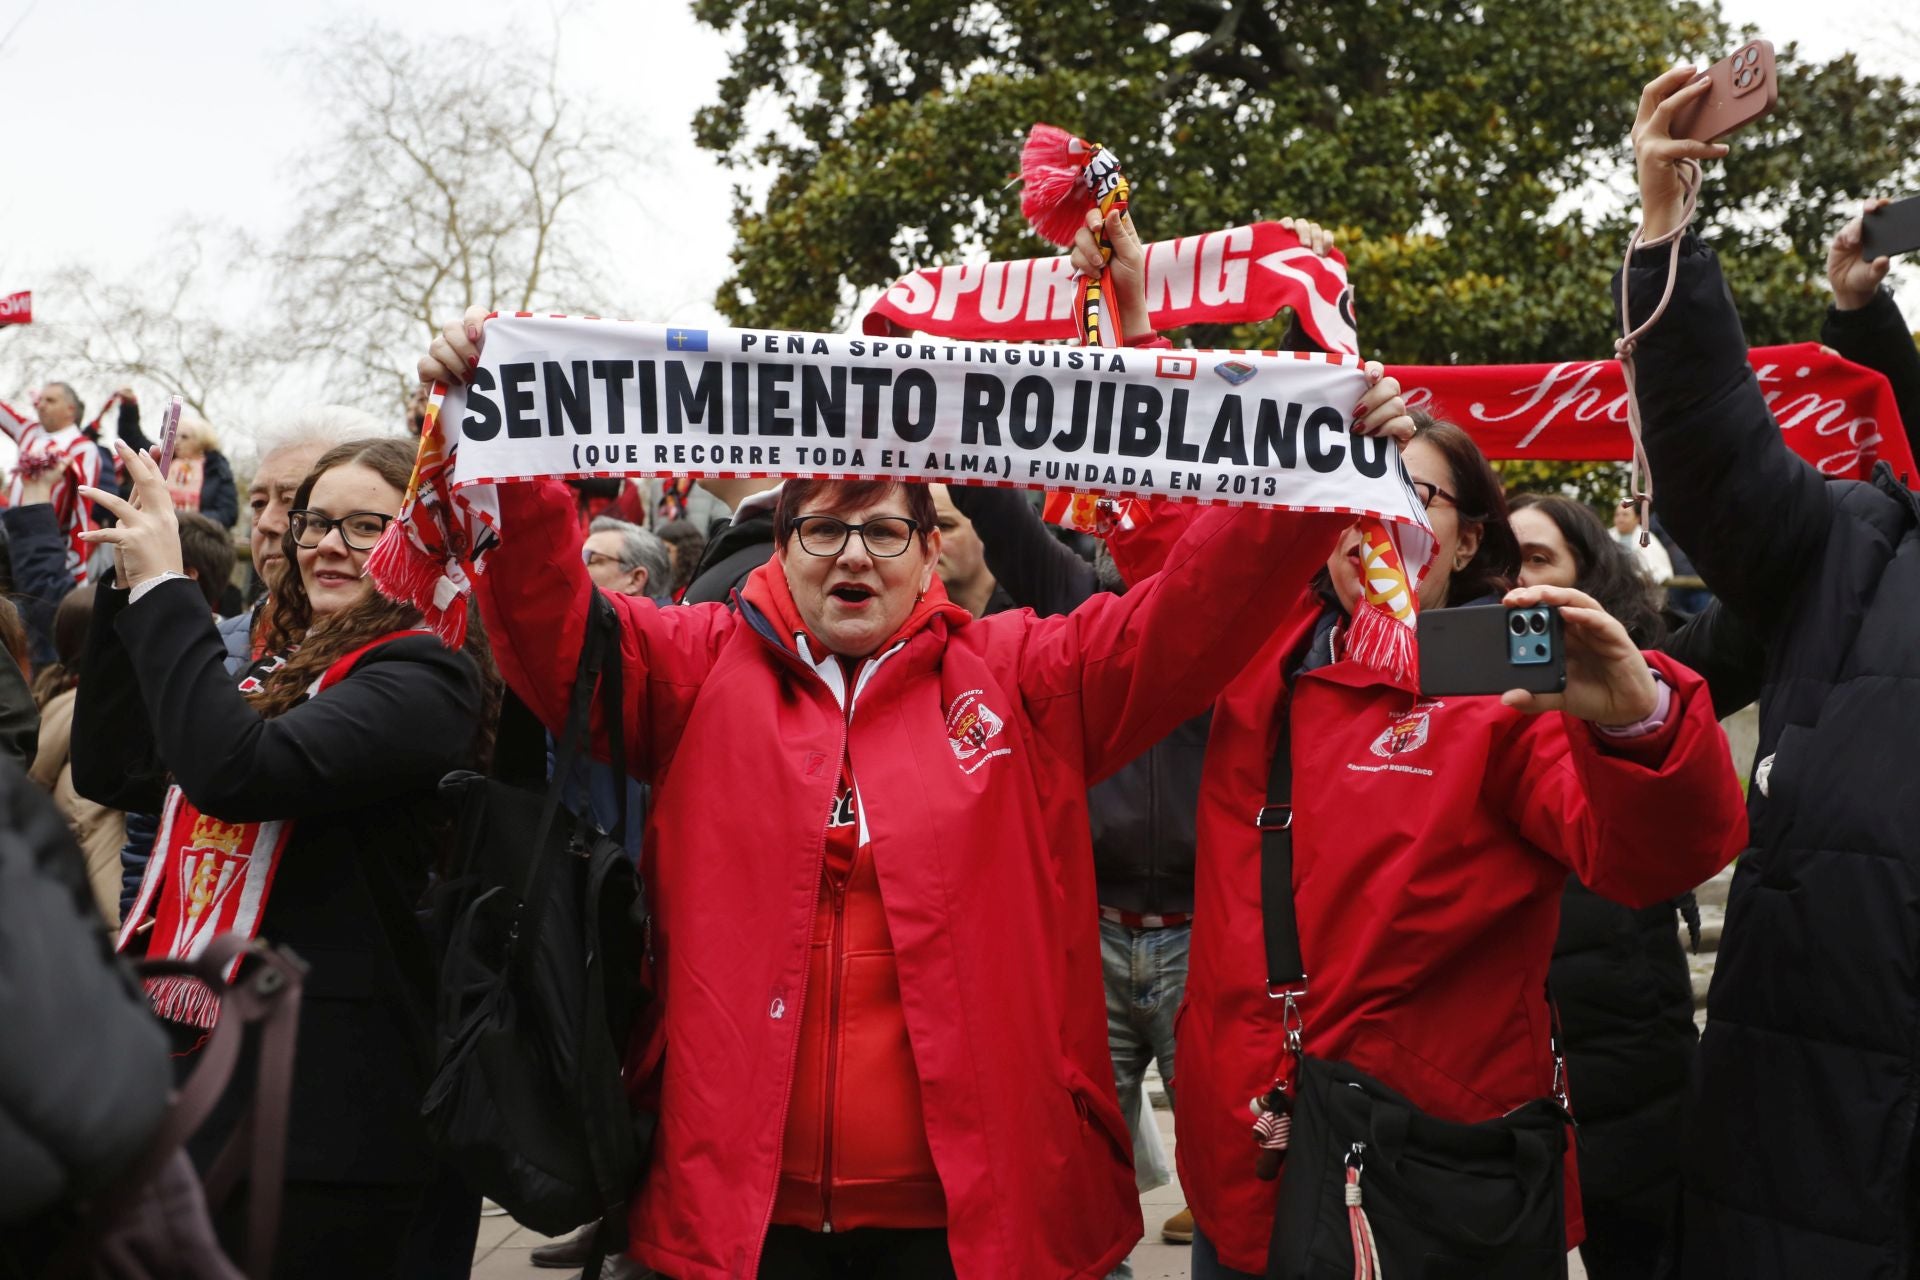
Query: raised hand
<point x="1608" y="680"/>
<point x="1658" y="154"/>
<point x="454" y="353"/>
<point x="1854" y="279"/>
<point x="146" y="541"/>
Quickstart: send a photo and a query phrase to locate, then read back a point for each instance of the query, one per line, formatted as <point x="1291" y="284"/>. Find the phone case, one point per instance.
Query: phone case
<point x="1894" y="229"/>
<point x="1472" y="650"/>
<point x="1744" y="89"/>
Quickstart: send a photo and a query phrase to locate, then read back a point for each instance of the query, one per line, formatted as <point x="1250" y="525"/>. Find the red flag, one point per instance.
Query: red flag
<point x="1837" y="415"/>
<point x="17" y="308"/>
<point x="1239" y="275"/>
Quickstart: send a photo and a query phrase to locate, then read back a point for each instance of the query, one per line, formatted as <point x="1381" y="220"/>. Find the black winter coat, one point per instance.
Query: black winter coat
<point x="83" y="1062"/>
<point x="1797" y="1160"/>
<point x="1620" y="981"/>
<point x="357" y="769"/>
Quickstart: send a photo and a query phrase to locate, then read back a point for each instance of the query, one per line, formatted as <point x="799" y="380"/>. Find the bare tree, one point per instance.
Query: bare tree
<point x="455" y="175"/>
<point x="166" y="325"/>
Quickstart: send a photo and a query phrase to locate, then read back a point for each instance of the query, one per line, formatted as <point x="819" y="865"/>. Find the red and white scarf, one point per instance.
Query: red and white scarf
<point x="207" y="877"/>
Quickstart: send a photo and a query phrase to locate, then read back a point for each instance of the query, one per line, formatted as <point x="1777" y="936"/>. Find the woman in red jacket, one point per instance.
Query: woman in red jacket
<point x="883" y="1042"/>
<point x="1431" y="839"/>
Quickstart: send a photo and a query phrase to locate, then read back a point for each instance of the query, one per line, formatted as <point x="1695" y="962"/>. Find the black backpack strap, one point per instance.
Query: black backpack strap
<point x="601" y="629"/>
<point x="613" y="714"/>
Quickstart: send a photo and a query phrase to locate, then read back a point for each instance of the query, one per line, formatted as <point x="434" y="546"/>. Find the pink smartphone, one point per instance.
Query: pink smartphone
<point x="169" y="429"/>
<point x="1744" y="89"/>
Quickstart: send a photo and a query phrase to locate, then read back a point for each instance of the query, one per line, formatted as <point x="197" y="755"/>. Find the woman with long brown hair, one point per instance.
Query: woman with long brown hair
<point x="302" y="809"/>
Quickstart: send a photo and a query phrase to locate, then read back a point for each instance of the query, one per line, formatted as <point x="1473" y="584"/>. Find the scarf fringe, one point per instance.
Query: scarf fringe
<point x="404" y="571"/>
<point x="186" y="1000"/>
<point x="1381" y="641"/>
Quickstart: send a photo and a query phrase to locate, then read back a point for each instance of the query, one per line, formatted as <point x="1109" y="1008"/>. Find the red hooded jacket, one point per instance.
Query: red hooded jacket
<point x="972" y="743"/>
<point x="1432" y="839"/>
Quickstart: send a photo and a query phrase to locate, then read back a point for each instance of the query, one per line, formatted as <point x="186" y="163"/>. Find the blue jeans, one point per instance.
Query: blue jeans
<point x="1146" y="975"/>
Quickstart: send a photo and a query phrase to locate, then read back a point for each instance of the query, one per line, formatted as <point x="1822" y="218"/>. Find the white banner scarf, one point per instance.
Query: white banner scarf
<point x="574" y="398"/>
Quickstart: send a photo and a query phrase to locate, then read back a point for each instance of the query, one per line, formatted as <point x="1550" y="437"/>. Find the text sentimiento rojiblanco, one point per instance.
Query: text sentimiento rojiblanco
<point x="554" y="396"/>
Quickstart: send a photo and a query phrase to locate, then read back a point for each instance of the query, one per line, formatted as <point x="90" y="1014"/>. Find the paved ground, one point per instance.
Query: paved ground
<point x="504" y="1243"/>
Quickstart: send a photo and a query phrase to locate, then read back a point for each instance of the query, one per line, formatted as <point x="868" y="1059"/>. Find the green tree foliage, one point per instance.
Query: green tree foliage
<point x="1473" y="155"/>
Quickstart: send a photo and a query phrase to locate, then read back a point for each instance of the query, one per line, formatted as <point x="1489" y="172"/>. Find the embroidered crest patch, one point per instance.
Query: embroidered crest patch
<point x="972" y="727"/>
<point x="1407" y="732"/>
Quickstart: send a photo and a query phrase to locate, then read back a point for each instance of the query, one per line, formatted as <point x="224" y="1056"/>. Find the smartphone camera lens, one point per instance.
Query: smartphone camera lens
<point x="1540" y="649"/>
<point x="1537" y="623"/>
<point x="1517" y="624"/>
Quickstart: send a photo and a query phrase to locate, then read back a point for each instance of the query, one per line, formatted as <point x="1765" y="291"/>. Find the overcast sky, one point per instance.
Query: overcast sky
<point x="125" y="115"/>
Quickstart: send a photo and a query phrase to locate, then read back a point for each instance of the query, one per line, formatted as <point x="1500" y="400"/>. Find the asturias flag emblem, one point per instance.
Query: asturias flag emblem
<point x="687" y="339"/>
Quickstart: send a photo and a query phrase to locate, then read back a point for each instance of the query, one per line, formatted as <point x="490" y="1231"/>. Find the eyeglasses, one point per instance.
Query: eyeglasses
<point x="358" y="529"/>
<point x="594" y="559"/>
<point x="1428" y="491"/>
<point x="884" y="538"/>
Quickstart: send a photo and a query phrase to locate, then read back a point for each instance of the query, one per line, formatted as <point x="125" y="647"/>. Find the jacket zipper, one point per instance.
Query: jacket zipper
<point x="800" y="1010"/>
<point x="820" y="869"/>
<point x="836" y="977"/>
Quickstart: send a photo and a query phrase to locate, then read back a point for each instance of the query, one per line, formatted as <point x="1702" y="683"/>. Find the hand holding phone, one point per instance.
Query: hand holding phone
<point x="1892" y="228"/>
<point x="1490" y="648"/>
<point x="1742" y="88"/>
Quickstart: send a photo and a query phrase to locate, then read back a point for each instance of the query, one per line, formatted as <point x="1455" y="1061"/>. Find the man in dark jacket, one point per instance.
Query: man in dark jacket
<point x="1800" y="1156"/>
<point x="739" y="547"/>
<point x="1142" y="819"/>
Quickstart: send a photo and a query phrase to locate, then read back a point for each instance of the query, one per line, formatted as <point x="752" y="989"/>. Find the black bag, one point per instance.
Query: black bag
<point x="539" y="986"/>
<point x="154" y="1222"/>
<point x="1442" y="1201"/>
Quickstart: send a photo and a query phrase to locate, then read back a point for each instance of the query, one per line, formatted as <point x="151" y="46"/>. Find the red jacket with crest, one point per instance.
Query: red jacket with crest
<point x="1432" y="840"/>
<point x="979" y="841"/>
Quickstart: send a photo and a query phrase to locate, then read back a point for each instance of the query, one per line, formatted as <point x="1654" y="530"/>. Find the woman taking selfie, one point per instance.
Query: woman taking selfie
<point x="1430" y="838"/>
<point x="302" y="811"/>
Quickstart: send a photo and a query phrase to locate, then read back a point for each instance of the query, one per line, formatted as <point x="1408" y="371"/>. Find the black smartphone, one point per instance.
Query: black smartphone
<point x="1891" y="229"/>
<point x="1489" y="648"/>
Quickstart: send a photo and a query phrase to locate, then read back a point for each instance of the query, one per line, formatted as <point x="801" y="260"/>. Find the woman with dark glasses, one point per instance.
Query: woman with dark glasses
<point x="301" y="809"/>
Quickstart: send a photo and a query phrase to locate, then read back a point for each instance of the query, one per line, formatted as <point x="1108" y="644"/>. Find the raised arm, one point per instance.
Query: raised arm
<point x="1121" y="672"/>
<point x="1726" y="653"/>
<point x="1034" y="567"/>
<point x="1639" y="819"/>
<point x="1749" y="513"/>
<point x="38" y="549"/>
<point x="1865" y="326"/>
<point x="114" y="759"/>
<point x="15" y="423"/>
<point x="127" y="423"/>
<point x="533" y="593"/>
<point x="405" y="717"/>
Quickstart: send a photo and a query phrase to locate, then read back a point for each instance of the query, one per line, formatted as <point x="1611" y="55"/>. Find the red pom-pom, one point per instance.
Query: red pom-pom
<point x="1054" y="194"/>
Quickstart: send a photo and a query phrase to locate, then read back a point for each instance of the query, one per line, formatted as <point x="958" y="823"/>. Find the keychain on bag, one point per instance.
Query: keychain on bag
<point x="1272" y="1129"/>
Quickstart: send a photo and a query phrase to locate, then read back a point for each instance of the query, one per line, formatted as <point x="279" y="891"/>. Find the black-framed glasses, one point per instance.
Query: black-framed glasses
<point x="1428" y="491"/>
<point x="884" y="538"/>
<point x="358" y="529"/>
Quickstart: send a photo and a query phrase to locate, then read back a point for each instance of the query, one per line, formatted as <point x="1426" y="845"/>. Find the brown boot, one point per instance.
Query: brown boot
<point x="1179" y="1228"/>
